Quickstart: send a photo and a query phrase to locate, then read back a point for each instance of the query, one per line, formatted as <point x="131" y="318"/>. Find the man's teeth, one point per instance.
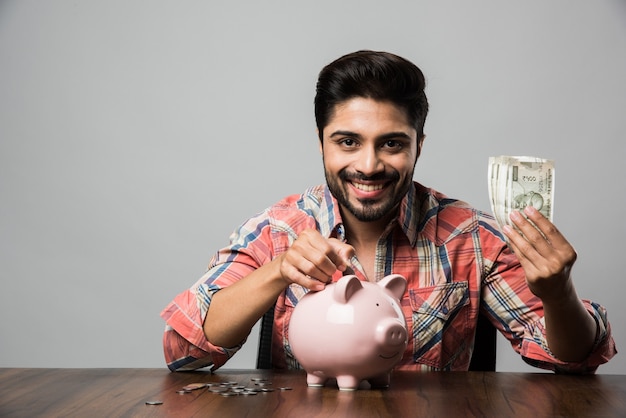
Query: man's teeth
<point x="368" y="187"/>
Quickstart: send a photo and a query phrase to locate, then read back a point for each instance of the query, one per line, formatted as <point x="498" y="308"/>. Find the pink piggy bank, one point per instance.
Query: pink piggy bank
<point x="351" y="330"/>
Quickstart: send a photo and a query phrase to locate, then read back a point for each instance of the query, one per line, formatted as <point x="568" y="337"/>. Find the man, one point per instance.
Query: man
<point x="373" y="219"/>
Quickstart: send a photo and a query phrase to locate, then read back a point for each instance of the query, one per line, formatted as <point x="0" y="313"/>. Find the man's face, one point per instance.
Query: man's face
<point x="369" y="152"/>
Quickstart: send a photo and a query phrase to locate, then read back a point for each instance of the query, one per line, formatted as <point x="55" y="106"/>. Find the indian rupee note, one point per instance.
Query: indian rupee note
<point x="516" y="182"/>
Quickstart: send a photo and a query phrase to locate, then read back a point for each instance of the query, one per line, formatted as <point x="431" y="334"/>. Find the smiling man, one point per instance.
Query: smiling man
<point x="372" y="218"/>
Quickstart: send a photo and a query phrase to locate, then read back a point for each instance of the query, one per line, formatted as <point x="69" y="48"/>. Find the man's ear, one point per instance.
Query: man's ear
<point x="420" y="142"/>
<point x="317" y="131"/>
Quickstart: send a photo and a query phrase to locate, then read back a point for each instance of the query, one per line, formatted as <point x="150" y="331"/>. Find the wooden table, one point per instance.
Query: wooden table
<point x="124" y="393"/>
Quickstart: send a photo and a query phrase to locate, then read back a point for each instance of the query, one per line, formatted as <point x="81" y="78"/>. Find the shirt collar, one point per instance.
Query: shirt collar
<point x="330" y="223"/>
<point x="409" y="215"/>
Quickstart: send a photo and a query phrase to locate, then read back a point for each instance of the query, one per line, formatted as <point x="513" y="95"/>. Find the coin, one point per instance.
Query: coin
<point x="249" y="392"/>
<point x="194" y="386"/>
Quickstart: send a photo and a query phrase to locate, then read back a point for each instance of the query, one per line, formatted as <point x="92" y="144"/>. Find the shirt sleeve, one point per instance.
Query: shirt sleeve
<point x="603" y="349"/>
<point x="519" y="315"/>
<point x="184" y="343"/>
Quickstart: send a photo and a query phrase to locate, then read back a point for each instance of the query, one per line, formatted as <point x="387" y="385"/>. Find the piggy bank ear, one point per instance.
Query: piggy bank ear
<point x="395" y="283"/>
<point x="346" y="287"/>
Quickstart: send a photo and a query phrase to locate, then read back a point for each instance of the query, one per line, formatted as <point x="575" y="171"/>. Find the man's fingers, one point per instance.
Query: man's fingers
<point x="309" y="262"/>
<point x="341" y="254"/>
<point x="524" y="251"/>
<point x="312" y="259"/>
<point x="295" y="275"/>
<point x="547" y="228"/>
<point x="532" y="232"/>
<point x="328" y="255"/>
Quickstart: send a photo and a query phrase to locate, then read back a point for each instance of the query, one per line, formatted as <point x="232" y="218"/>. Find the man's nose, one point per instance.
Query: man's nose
<point x="369" y="162"/>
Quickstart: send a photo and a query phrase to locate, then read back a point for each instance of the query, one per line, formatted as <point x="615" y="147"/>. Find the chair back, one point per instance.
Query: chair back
<point x="484" y="356"/>
<point x="264" y="357"/>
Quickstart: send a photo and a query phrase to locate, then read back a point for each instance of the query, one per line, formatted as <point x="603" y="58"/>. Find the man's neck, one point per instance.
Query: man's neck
<point x="364" y="237"/>
<point x="364" y="234"/>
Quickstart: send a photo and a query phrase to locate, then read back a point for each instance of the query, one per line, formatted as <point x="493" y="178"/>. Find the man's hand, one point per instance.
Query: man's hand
<point x="544" y="253"/>
<point x="312" y="260"/>
<point x="547" y="259"/>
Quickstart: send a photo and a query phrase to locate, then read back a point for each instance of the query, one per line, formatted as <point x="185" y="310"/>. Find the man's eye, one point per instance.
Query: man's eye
<point x="348" y="142"/>
<point x="392" y="143"/>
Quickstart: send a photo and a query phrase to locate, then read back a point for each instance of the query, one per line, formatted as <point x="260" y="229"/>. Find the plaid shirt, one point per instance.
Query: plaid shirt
<point x="454" y="258"/>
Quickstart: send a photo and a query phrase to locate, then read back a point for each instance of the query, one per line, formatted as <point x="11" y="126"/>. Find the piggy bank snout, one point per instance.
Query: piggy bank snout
<point x="391" y="333"/>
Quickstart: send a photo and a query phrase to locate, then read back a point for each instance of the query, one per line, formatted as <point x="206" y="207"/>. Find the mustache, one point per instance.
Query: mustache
<point x="383" y="176"/>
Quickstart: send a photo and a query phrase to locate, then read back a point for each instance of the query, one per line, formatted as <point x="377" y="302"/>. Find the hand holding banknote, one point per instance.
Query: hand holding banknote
<point x="521" y="190"/>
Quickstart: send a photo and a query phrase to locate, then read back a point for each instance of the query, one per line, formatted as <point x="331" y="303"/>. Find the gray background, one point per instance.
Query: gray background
<point x="135" y="135"/>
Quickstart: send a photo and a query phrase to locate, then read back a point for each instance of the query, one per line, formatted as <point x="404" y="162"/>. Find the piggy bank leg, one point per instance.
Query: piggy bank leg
<point x="381" y="381"/>
<point x="316" y="379"/>
<point x="348" y="382"/>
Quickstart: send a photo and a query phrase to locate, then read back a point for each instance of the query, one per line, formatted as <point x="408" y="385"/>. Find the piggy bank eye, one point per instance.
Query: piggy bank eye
<point x="377" y="304"/>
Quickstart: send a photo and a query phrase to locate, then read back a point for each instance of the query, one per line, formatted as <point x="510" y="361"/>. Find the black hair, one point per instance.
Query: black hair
<point x="376" y="75"/>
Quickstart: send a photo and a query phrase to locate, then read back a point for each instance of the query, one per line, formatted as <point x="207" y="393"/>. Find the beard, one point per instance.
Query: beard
<point x="368" y="210"/>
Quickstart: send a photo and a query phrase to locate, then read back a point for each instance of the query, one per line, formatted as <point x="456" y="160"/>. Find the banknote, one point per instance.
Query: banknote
<point x="516" y="182"/>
